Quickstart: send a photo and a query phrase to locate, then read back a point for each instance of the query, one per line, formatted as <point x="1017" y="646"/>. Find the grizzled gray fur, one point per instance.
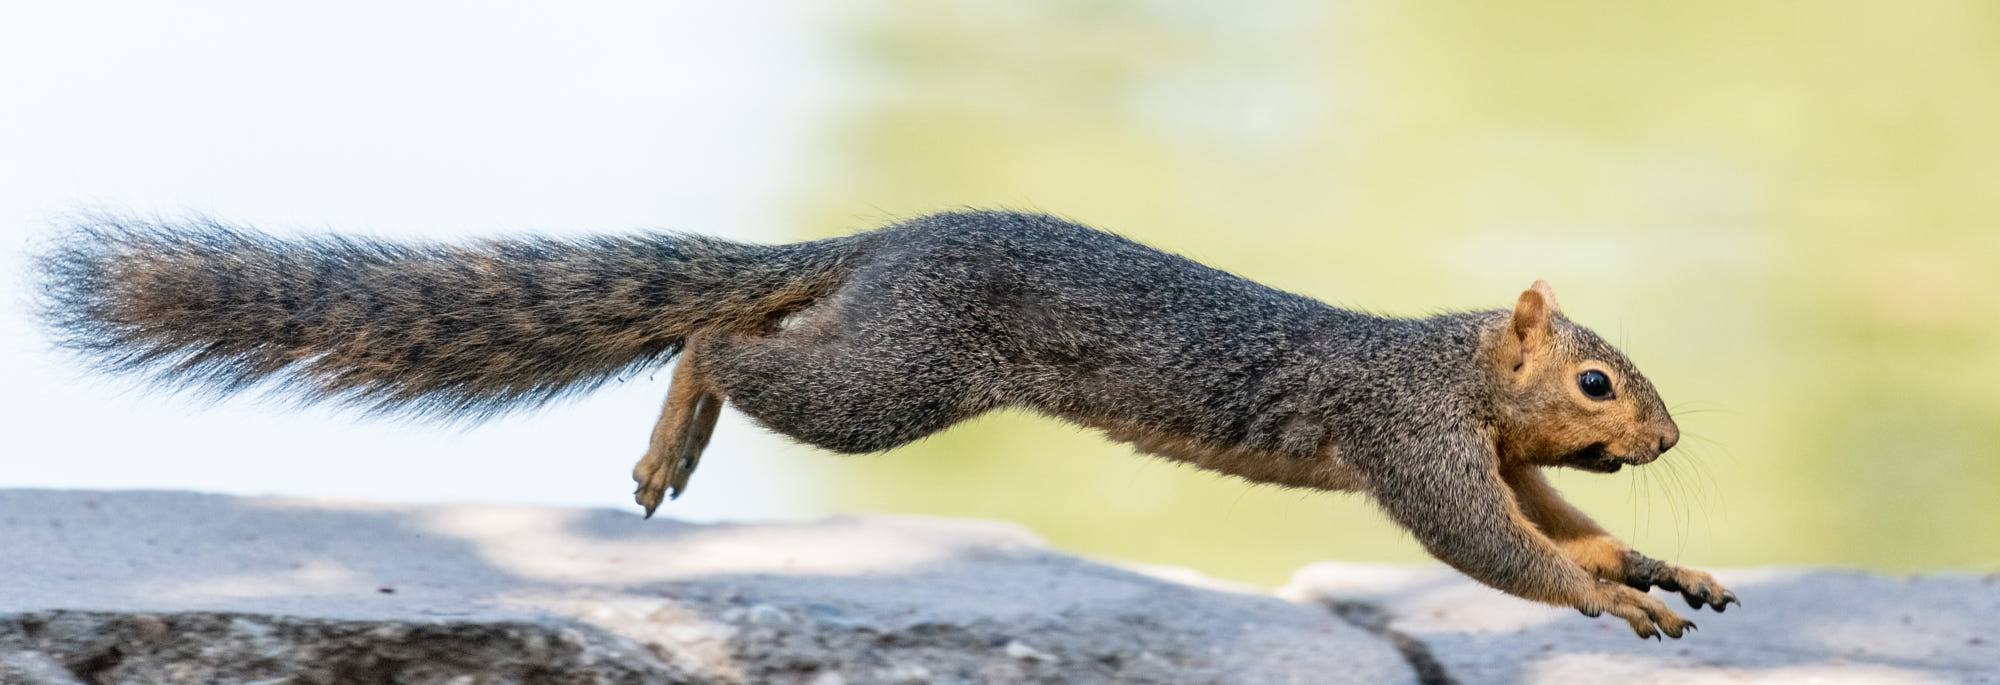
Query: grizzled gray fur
<point x="867" y="342"/>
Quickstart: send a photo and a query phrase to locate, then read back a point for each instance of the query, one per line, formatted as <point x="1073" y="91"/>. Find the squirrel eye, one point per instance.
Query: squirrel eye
<point x="1595" y="384"/>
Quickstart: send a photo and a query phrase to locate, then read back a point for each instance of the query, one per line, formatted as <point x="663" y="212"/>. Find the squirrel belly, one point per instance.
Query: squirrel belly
<point x="871" y="341"/>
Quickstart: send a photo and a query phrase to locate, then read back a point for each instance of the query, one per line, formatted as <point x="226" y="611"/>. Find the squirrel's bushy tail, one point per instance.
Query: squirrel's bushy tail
<point x="454" y="331"/>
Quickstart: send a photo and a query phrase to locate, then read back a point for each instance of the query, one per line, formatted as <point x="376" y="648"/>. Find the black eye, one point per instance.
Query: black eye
<point x="1595" y="384"/>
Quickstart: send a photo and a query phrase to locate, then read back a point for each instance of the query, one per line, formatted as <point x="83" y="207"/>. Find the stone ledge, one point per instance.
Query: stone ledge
<point x="165" y="587"/>
<point x="1795" y="626"/>
<point x="161" y="587"/>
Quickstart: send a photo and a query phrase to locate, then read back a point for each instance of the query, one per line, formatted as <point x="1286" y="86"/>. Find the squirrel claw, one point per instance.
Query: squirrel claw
<point x="1698" y="595"/>
<point x="1697" y="588"/>
<point x="649" y="499"/>
<point x="1647" y="615"/>
<point x="1718" y="597"/>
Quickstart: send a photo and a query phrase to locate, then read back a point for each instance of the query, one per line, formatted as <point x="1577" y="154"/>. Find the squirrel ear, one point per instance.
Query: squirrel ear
<point x="1548" y="294"/>
<point x="1529" y="332"/>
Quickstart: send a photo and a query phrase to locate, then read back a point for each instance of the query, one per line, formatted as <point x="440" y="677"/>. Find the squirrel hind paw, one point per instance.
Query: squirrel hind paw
<point x="651" y="494"/>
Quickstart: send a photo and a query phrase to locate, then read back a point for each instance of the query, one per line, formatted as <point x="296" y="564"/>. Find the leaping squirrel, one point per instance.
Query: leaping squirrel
<point x="869" y="341"/>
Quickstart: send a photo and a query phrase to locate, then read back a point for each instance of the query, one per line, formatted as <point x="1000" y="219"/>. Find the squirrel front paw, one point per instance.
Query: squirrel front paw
<point x="1697" y="587"/>
<point x="1648" y="616"/>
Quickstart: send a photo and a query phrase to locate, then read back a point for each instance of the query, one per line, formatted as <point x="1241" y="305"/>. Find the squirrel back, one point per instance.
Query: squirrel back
<point x="998" y="308"/>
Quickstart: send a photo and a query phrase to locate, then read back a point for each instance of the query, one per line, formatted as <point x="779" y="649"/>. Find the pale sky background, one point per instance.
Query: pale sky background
<point x="434" y="119"/>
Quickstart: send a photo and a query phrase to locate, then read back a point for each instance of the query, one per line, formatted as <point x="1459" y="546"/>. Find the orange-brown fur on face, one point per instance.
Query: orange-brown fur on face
<point x="1541" y="414"/>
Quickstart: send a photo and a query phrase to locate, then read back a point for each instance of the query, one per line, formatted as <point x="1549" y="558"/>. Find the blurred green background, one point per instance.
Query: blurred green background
<point x="1785" y="212"/>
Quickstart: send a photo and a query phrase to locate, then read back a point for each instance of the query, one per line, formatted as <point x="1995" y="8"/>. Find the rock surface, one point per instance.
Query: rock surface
<point x="1795" y="626"/>
<point x="155" y="587"/>
<point x="152" y="587"/>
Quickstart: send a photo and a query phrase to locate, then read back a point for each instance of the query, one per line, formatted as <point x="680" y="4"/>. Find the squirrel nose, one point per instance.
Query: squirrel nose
<point x="1670" y="438"/>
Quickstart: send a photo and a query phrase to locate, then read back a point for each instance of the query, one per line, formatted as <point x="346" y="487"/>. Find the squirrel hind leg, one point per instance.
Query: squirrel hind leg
<point x="685" y="424"/>
<point x="851" y="396"/>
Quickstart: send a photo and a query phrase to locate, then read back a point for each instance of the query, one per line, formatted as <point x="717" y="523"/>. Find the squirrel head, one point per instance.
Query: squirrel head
<point x="1565" y="397"/>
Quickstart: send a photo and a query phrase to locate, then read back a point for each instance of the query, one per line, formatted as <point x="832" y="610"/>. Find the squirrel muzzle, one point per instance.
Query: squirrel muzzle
<point x="1646" y="448"/>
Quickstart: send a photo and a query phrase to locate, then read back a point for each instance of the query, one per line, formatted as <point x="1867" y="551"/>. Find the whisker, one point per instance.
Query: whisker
<point x="1646" y="492"/>
<point x="1707" y="472"/>
<point x="1683" y="518"/>
<point x="1712" y="443"/>
<point x="1632" y="495"/>
<point x="1698" y="405"/>
<point x="1701" y="483"/>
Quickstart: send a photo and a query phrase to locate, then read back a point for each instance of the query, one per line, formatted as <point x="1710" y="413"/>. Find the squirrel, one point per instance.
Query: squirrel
<point x="866" y="342"/>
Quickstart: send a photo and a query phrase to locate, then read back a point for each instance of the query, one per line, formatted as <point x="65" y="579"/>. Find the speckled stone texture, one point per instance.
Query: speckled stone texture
<point x="1795" y="626"/>
<point x="159" y="587"/>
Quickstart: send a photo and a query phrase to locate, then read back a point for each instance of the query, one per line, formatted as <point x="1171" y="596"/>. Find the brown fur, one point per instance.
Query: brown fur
<point x="685" y="424"/>
<point x="1579" y="537"/>
<point x="1323" y="471"/>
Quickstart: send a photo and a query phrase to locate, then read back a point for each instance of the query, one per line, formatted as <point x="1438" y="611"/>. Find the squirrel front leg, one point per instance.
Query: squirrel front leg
<point x="1449" y="494"/>
<point x="1583" y="541"/>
